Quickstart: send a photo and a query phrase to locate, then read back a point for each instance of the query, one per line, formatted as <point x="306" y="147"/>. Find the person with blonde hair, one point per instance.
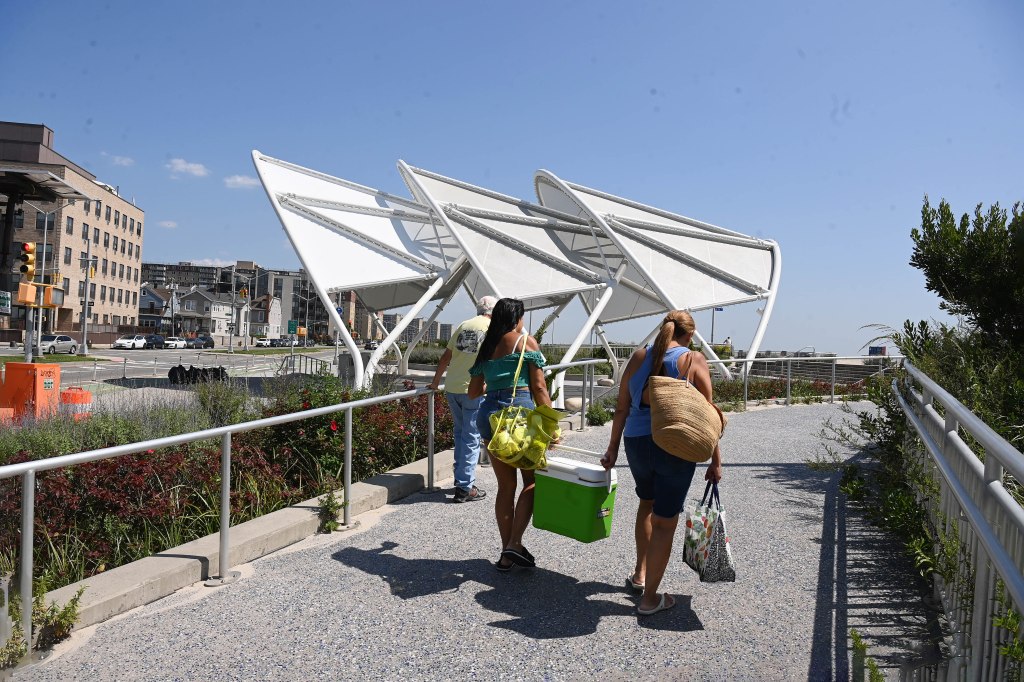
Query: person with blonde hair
<point x="662" y="480"/>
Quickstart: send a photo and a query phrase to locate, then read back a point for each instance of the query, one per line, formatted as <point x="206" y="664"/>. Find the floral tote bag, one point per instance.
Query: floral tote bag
<point x="706" y="548"/>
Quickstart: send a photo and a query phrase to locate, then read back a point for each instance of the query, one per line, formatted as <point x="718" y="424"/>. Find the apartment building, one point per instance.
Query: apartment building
<point x="184" y="274"/>
<point x="108" y="228"/>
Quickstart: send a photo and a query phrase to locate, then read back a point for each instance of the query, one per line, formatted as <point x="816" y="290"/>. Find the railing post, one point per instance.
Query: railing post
<point x="583" y="400"/>
<point x="746" y="379"/>
<point x="154" y="366"/>
<point x="348" y="468"/>
<point x="94" y="368"/>
<point x="226" y="574"/>
<point x="789" y="381"/>
<point x="124" y="369"/>
<point x="832" y="396"/>
<point x="430" y="441"/>
<point x="28" y="523"/>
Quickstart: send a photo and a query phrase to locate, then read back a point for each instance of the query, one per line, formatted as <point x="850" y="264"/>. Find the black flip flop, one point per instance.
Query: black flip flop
<point x="522" y="558"/>
<point x="503" y="569"/>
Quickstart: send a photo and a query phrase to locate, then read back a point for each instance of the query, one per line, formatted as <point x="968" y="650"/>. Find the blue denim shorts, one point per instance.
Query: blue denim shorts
<point x="495" y="401"/>
<point x="659" y="476"/>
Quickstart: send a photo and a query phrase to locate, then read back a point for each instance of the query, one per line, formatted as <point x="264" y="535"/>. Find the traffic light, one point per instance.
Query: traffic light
<point x="28" y="258"/>
<point x="244" y="293"/>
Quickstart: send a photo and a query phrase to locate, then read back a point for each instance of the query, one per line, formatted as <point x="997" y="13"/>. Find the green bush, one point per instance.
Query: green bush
<point x="597" y="414"/>
<point x="425" y="355"/>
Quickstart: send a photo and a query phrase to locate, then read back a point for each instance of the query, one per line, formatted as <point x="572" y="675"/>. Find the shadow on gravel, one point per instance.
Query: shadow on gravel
<point x="542" y="604"/>
<point x="865" y="581"/>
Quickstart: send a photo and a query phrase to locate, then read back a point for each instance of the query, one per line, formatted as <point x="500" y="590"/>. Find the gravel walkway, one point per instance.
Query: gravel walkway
<point x="412" y="595"/>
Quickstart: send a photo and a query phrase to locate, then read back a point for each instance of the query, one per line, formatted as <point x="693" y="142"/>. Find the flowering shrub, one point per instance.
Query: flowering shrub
<point x="384" y="436"/>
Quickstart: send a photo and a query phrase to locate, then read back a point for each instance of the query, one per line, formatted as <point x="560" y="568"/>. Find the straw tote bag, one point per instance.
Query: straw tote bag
<point x="683" y="422"/>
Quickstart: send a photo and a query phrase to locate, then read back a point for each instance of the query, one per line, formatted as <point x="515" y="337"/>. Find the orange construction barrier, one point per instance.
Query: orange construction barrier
<point x="76" y="401"/>
<point x="30" y="389"/>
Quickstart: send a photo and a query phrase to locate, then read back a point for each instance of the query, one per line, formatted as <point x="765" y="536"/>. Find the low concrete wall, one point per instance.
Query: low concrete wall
<point x="140" y="582"/>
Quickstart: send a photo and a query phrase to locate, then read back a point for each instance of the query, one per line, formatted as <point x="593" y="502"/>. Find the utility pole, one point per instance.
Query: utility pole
<point x="234" y="315"/>
<point x="86" y="303"/>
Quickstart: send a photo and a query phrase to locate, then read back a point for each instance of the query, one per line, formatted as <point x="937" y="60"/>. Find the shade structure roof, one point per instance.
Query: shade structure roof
<point x="623" y="259"/>
<point x="668" y="260"/>
<point x="514" y="246"/>
<point x="355" y="238"/>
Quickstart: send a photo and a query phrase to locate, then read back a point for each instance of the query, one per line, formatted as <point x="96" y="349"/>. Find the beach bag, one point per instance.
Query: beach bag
<point x="706" y="548"/>
<point x="683" y="422"/>
<point x="520" y="435"/>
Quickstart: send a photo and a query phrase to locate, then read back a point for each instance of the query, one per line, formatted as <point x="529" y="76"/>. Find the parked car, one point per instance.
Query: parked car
<point x="263" y="343"/>
<point x="174" y="342"/>
<point x="154" y="341"/>
<point x="130" y="341"/>
<point x="53" y="343"/>
<point x="200" y="342"/>
<point x="371" y="345"/>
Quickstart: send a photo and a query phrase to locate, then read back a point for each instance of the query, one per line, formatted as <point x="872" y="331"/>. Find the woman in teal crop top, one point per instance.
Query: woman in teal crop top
<point x="492" y="377"/>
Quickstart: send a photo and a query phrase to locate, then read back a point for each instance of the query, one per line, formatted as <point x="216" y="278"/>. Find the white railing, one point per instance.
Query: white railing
<point x="836" y="370"/>
<point x="27" y="472"/>
<point x="974" y="509"/>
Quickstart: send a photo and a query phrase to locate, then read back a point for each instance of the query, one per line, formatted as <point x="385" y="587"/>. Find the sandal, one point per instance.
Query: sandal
<point x="663" y="605"/>
<point x="520" y="557"/>
<point x="638" y="587"/>
<point x="503" y="568"/>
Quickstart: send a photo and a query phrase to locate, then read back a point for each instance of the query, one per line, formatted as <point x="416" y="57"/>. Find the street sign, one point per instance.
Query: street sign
<point x="719" y="310"/>
<point x="5" y="303"/>
<point x="293" y="326"/>
<point x="341" y="311"/>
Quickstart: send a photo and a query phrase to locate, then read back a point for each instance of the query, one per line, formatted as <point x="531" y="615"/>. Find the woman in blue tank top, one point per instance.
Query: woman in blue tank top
<point x="662" y="480"/>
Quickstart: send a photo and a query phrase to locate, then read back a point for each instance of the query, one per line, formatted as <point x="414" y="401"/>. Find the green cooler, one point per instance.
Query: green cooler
<point x="574" y="499"/>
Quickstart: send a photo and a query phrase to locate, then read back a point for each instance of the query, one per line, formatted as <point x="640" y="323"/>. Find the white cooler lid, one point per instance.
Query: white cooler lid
<point x="567" y="469"/>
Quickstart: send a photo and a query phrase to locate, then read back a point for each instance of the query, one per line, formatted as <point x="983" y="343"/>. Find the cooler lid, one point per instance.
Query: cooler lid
<point x="569" y="468"/>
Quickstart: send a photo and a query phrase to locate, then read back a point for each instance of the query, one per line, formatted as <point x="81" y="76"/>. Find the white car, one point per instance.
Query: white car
<point x="174" y="342"/>
<point x="263" y="343"/>
<point x="52" y="343"/>
<point x="130" y="341"/>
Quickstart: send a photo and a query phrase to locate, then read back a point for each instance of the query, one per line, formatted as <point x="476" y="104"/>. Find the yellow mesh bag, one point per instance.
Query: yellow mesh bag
<point x="521" y="436"/>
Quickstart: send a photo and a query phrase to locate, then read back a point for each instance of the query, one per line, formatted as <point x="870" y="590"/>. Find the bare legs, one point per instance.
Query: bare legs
<point x="642" y="533"/>
<point x="654" y="557"/>
<point x="513" y="516"/>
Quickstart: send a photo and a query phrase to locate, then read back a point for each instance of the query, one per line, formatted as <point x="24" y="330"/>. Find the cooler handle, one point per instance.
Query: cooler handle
<point x="589" y="453"/>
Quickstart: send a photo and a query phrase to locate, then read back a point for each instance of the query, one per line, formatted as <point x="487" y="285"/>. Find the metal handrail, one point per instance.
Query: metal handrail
<point x="28" y="470"/>
<point x="972" y="490"/>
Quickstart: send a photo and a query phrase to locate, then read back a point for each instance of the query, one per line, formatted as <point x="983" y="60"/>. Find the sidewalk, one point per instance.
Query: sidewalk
<point x="412" y="594"/>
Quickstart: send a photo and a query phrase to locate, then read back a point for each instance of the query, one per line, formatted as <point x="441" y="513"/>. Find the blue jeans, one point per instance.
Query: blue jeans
<point x="467" y="438"/>
<point x="494" y="401"/>
<point x="658" y="475"/>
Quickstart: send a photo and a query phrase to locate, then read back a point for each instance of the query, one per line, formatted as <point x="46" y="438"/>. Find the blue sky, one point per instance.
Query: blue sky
<point x="818" y="124"/>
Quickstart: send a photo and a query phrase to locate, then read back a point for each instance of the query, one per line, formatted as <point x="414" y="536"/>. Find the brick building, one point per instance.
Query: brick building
<point x="108" y="227"/>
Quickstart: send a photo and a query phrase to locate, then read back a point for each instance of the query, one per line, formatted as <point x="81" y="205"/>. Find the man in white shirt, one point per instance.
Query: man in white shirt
<point x="458" y="357"/>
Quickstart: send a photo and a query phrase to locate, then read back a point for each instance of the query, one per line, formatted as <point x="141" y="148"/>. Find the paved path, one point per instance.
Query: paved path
<point x="412" y="594"/>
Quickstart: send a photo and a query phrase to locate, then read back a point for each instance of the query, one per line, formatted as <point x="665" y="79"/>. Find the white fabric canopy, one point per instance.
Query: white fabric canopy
<point x="623" y="259"/>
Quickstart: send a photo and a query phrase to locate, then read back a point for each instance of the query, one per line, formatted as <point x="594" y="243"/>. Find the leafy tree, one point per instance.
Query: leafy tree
<point x="976" y="266"/>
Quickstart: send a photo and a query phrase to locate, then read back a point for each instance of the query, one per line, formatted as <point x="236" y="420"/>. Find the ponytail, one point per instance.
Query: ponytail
<point x="676" y="324"/>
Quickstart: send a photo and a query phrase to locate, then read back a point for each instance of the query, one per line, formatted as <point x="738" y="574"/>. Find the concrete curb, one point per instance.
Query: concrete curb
<point x="140" y="582"/>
